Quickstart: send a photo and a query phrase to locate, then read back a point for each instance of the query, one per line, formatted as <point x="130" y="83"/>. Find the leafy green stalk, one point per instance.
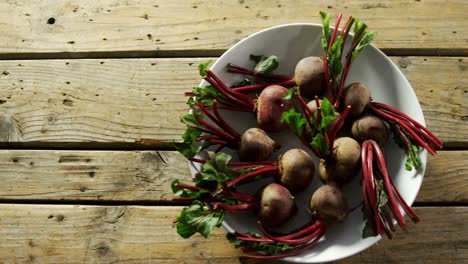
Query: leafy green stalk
<point x="197" y="218"/>
<point x="265" y="65"/>
<point x="266" y="248"/>
<point x="411" y="149"/>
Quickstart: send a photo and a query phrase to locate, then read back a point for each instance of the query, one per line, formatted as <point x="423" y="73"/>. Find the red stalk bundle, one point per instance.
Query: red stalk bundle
<point x="417" y="132"/>
<point x="306" y="237"/>
<point x="221" y="134"/>
<point x="379" y="220"/>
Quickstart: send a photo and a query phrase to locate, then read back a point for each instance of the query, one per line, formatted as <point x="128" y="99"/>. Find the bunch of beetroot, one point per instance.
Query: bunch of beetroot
<point x="338" y="122"/>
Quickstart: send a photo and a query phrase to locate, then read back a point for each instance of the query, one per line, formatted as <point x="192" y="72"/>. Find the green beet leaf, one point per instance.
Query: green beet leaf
<point x="198" y="219"/>
<point x="202" y="68"/>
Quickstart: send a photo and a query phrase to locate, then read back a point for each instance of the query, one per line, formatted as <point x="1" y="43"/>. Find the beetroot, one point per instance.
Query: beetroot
<point x="276" y="205"/>
<point x="370" y="127"/>
<point x="310" y="76"/>
<point x="329" y="204"/>
<point x="270" y="106"/>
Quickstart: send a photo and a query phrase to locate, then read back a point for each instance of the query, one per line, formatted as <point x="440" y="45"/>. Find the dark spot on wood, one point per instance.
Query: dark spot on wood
<point x="247" y="7"/>
<point x="279" y="6"/>
<point x="101" y="62"/>
<point x="88" y="160"/>
<point x="51" y="21"/>
<point x="145" y="16"/>
<point x="460" y="60"/>
<point x="90" y="20"/>
<point x="31" y="163"/>
<point x="425" y="59"/>
<point x="149" y="36"/>
<point x="329" y="7"/>
<point x="147" y="94"/>
<point x="154" y="99"/>
<point x="190" y="63"/>
<point x="70" y="158"/>
<point x="156" y="6"/>
<point x="2" y="101"/>
<point x="71" y="42"/>
<point x="27" y="14"/>
<point x="5" y="73"/>
<point x="431" y="91"/>
<point x="82" y="189"/>
<point x="195" y="38"/>
<point x="43" y="130"/>
<point x="14" y="159"/>
<point x="153" y="63"/>
<point x="186" y="39"/>
<point x="50" y="216"/>
<point x="23" y="40"/>
<point x="423" y="33"/>
<point x="66" y="63"/>
<point x="265" y="17"/>
<point x="464" y="118"/>
<point x="96" y="95"/>
<point x="194" y="6"/>
<point x="224" y="18"/>
<point x="68" y="102"/>
<point x="238" y="31"/>
<point x="241" y="1"/>
<point x="31" y="258"/>
<point x="9" y="97"/>
<point x="118" y="113"/>
<point x="31" y="243"/>
<point x="418" y="0"/>
<point x="91" y="174"/>
<point x="64" y="94"/>
<point x="59" y="218"/>
<point x="108" y="10"/>
<point x="101" y="249"/>
<point x="20" y="65"/>
<point x="403" y="63"/>
<point x="67" y="82"/>
<point x="370" y="6"/>
<point x="157" y="40"/>
<point x="104" y="39"/>
<point x="75" y="9"/>
<point x="454" y="32"/>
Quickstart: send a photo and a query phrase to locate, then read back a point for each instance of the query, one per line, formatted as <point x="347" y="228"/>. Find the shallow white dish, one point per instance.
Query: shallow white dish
<point x="388" y="85"/>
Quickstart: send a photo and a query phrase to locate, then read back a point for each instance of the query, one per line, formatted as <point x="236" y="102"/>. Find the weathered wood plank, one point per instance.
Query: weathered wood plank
<point x="208" y="27"/>
<point x="94" y="234"/>
<point x="145" y="176"/>
<point x="138" y="102"/>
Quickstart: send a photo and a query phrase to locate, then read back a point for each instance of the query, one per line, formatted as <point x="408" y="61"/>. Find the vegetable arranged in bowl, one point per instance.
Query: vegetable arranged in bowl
<point x="285" y="160"/>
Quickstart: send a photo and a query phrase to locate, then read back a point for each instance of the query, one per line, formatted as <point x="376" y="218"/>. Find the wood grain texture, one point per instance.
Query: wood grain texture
<point x="207" y="27"/>
<point x="96" y="234"/>
<point x="91" y="103"/>
<point x="145" y="176"/>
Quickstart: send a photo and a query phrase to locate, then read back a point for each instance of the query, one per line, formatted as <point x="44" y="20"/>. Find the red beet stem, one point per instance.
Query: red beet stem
<point x="288" y="254"/>
<point x="424" y="132"/>
<point x="223" y="122"/>
<point x="264" y="169"/>
<point x="345" y="31"/>
<point x="229" y="96"/>
<point x="224" y="87"/>
<point x="300" y="237"/>
<point x="399" y="113"/>
<point x="372" y="190"/>
<point x="190" y="187"/>
<point x="347" y="66"/>
<point x="335" y="30"/>
<point x="405" y="126"/>
<point x="405" y="206"/>
<point x="366" y="187"/>
<point x="387" y="185"/>
<point x="233" y="208"/>
<point x="216" y="131"/>
<point x="307" y="112"/>
<point x="259" y="87"/>
<point x="331" y="134"/>
<point x="240" y="70"/>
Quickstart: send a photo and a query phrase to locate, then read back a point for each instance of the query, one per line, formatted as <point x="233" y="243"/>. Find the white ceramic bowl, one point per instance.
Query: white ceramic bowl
<point x="388" y="85"/>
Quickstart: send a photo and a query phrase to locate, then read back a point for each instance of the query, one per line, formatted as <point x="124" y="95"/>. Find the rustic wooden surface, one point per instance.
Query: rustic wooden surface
<point x="91" y="93"/>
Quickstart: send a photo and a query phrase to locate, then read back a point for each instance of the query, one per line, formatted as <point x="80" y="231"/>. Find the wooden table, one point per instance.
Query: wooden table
<point x="91" y="92"/>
